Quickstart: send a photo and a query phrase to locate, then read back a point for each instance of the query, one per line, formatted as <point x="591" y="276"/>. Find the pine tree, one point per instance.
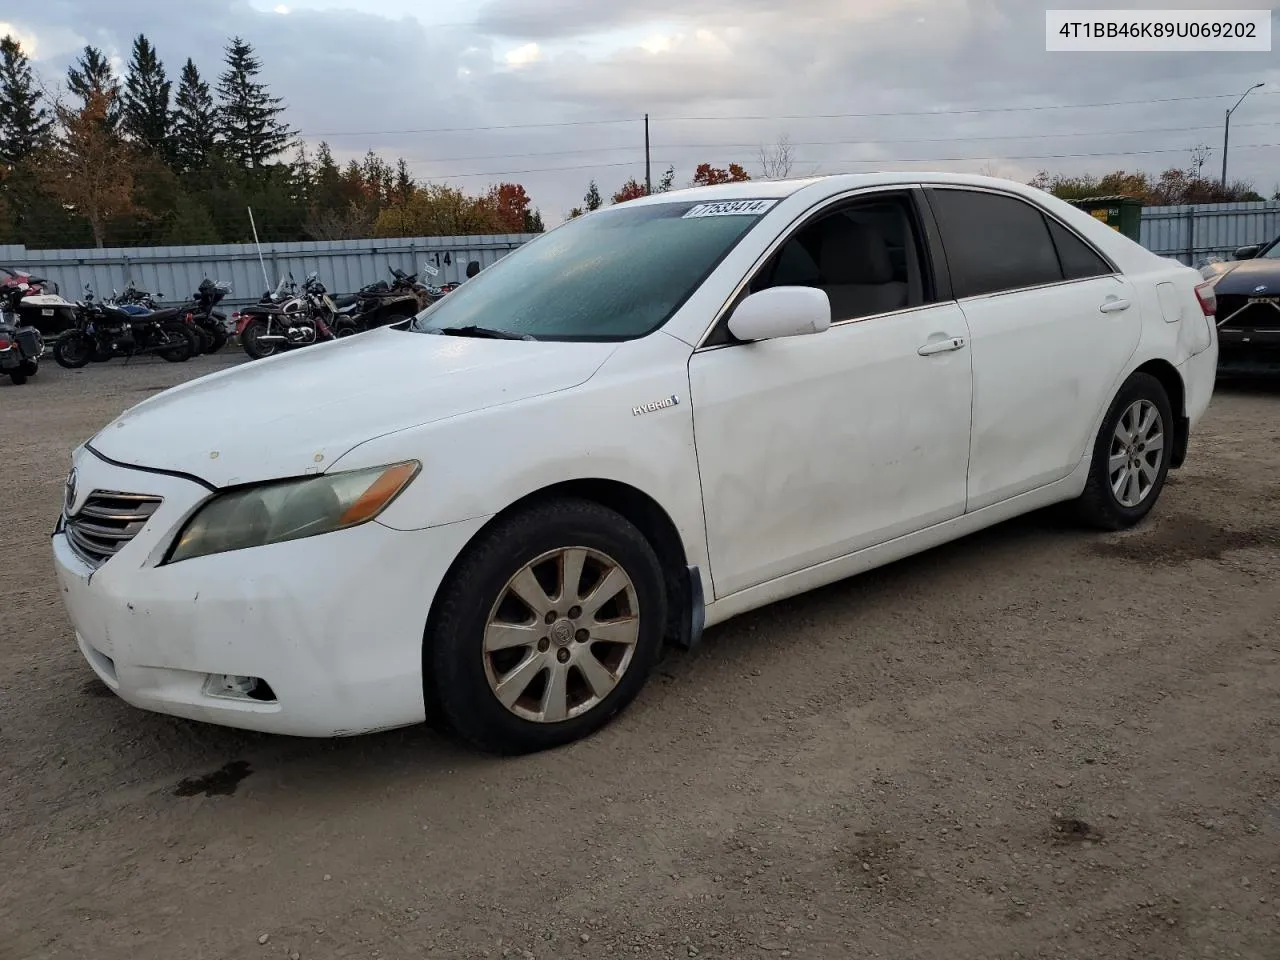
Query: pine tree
<point x="252" y="133"/>
<point x="146" y="115"/>
<point x="195" y="121"/>
<point x="91" y="77"/>
<point x="592" y="199"/>
<point x="24" y="123"/>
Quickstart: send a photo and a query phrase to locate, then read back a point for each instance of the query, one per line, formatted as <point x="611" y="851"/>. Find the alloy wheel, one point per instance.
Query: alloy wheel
<point x="561" y="634"/>
<point x="1137" y="450"/>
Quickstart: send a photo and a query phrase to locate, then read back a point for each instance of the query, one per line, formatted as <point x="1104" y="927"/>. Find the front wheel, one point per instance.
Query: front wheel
<point x="73" y="351"/>
<point x="1130" y="456"/>
<point x="18" y="377"/>
<point x="216" y="340"/>
<point x="251" y="342"/>
<point x="30" y="367"/>
<point x="548" y="627"/>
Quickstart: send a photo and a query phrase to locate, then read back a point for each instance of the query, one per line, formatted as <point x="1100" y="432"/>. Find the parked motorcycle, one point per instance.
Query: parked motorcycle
<point x="104" y="331"/>
<point x="277" y="322"/>
<point x="21" y="345"/>
<point x="380" y="304"/>
<point x="47" y="311"/>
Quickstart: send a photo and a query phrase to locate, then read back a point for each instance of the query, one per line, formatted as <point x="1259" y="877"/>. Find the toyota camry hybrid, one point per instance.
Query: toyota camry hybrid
<point x="648" y="420"/>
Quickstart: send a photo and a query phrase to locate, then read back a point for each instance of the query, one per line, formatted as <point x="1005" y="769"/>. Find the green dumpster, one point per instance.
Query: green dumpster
<point x="1119" y="213"/>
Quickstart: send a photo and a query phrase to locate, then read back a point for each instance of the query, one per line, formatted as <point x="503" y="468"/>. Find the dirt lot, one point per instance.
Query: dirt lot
<point x="1034" y="743"/>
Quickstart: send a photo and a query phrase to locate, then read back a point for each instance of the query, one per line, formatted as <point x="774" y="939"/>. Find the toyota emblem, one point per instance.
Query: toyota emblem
<point x="69" y="494"/>
<point x="1260" y="288"/>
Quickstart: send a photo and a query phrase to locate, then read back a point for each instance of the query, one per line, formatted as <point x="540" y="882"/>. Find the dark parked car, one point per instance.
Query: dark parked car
<point x="1248" y="315"/>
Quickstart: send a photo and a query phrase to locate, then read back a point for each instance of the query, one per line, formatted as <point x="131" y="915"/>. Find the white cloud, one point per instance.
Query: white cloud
<point x="281" y="9"/>
<point x="523" y="56"/>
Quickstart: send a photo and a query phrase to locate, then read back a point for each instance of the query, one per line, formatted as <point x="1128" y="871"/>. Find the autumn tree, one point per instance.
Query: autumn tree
<point x="706" y="175"/>
<point x="514" y="209"/>
<point x="25" y="125"/>
<point x="195" y="121"/>
<point x="146" y="116"/>
<point x="91" y="77"/>
<point x="436" y="210"/>
<point x="629" y="191"/>
<point x="253" y="133"/>
<point x="91" y="170"/>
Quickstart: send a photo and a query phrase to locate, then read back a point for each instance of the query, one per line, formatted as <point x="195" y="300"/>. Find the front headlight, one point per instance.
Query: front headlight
<point x="290" y="509"/>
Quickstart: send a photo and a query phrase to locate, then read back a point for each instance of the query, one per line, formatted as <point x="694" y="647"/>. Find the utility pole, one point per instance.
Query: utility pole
<point x="648" y="168"/>
<point x="1226" y="131"/>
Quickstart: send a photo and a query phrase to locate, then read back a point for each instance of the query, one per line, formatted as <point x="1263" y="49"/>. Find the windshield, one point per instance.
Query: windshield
<point x="614" y="275"/>
<point x="1272" y="252"/>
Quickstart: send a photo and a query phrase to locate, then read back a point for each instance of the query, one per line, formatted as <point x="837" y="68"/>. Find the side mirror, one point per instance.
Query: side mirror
<point x="781" y="312"/>
<point x="1247" y="252"/>
<point x="473" y="268"/>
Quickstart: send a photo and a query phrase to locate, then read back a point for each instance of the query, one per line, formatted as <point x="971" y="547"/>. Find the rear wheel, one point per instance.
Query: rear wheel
<point x="253" y="346"/>
<point x="30" y="367"/>
<point x="217" y="340"/>
<point x="18" y="377"/>
<point x="546" y="629"/>
<point x="1130" y="456"/>
<point x="185" y="343"/>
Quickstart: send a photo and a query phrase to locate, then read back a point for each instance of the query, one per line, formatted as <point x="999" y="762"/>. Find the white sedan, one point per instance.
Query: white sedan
<point x="651" y="419"/>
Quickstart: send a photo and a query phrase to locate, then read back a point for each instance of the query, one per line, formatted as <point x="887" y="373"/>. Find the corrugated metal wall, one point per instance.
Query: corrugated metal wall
<point x="1194" y="233"/>
<point x="1191" y="234"/>
<point x="172" y="273"/>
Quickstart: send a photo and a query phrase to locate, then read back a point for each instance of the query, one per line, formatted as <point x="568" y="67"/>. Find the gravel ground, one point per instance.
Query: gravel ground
<point x="1036" y="742"/>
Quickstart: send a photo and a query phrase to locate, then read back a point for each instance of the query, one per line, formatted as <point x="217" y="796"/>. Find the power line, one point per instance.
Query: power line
<point x="877" y="160"/>
<point x="821" y="143"/>
<point x="776" y="117"/>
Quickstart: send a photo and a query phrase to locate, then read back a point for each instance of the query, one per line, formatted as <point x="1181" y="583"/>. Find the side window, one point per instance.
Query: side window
<point x="865" y="255"/>
<point x="993" y="242"/>
<point x="1079" y="260"/>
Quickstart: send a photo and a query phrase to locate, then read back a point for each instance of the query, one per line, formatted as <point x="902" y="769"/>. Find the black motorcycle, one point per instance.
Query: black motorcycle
<point x="287" y="319"/>
<point x="210" y="323"/>
<point x="380" y="304"/>
<point x="21" y="345"/>
<point x="104" y="331"/>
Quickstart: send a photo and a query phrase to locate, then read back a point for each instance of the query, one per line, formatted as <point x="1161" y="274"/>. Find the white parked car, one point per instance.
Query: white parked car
<point x="649" y="420"/>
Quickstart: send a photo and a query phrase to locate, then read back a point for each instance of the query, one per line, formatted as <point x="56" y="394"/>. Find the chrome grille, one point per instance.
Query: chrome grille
<point x="106" y="522"/>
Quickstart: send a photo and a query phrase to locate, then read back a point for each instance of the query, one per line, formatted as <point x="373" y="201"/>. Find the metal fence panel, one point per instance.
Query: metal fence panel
<point x="1194" y="233"/>
<point x="173" y="273"/>
<point x="1191" y="234"/>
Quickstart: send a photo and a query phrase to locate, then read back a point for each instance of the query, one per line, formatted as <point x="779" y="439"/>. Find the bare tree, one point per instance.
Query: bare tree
<point x="1199" y="157"/>
<point x="777" y="160"/>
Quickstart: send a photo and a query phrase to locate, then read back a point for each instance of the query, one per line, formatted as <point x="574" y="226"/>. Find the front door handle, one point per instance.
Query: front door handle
<point x="1114" y="306"/>
<point x="941" y="346"/>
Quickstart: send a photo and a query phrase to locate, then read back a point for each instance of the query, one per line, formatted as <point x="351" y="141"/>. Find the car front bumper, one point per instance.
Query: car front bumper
<point x="333" y="624"/>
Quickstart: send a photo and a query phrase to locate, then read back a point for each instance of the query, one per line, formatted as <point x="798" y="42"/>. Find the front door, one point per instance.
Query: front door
<point x="814" y="447"/>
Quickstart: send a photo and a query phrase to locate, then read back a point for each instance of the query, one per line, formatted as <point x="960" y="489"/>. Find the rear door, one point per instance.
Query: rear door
<point x="1053" y="324"/>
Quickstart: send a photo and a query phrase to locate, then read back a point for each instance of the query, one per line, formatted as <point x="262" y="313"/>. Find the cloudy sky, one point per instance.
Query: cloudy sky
<point x="551" y="93"/>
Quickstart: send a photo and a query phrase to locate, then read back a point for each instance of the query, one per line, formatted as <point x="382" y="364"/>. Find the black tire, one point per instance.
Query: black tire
<point x="458" y="692"/>
<point x="204" y="340"/>
<point x="187" y="344"/>
<point x="73" y="351"/>
<point x="17" y="377"/>
<point x="1099" y="506"/>
<point x="344" y="328"/>
<point x="249" y="340"/>
<point x="217" y="340"/>
<point x="30" y="367"/>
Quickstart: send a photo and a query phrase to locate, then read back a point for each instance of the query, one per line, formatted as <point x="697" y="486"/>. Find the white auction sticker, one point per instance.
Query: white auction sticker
<point x="1158" y="31"/>
<point x="729" y="208"/>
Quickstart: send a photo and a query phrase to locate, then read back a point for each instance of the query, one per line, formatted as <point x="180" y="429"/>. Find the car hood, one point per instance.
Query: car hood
<point x="299" y="412"/>
<point x="1243" y="276"/>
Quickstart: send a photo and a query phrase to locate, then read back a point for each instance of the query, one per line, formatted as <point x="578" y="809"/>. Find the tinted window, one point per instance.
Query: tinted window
<point x="865" y="256"/>
<point x="613" y="275"/>
<point x="1078" y="259"/>
<point x="993" y="242"/>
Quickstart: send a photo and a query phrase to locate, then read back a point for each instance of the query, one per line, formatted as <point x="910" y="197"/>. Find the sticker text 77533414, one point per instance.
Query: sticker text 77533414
<point x="729" y="208"/>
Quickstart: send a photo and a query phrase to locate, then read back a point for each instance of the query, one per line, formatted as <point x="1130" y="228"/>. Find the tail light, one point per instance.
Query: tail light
<point x="5" y="344"/>
<point x="1208" y="299"/>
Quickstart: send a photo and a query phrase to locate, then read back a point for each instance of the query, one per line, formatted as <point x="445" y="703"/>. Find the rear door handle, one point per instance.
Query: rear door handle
<point x="1114" y="306"/>
<point x="941" y="346"/>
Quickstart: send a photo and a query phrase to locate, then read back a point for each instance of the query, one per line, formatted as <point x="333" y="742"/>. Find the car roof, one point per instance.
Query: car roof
<point x="829" y="183"/>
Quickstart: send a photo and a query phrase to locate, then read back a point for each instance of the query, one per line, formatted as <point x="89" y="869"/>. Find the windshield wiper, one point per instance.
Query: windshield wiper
<point x="472" y="330"/>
